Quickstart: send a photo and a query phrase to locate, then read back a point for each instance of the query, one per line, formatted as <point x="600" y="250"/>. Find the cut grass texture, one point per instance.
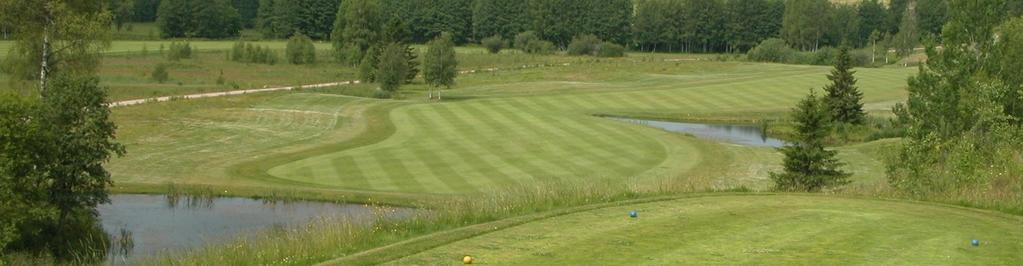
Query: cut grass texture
<point x="780" y="229"/>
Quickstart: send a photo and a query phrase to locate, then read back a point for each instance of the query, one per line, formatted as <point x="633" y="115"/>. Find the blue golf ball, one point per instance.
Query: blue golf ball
<point x="975" y="242"/>
<point x="632" y="214"/>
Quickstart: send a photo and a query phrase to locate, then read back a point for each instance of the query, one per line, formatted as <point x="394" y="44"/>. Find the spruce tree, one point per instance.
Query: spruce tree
<point x="808" y="166"/>
<point x="844" y="99"/>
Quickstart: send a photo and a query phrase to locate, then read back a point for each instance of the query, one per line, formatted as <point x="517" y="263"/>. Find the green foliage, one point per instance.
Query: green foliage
<point x="586" y="44"/>
<point x="808" y="166"/>
<point x="872" y="17"/>
<point x="843" y="99"/>
<point x="960" y="137"/>
<point x="493" y="44"/>
<point x="429" y="18"/>
<point x="772" y="50"/>
<point x="122" y="11"/>
<point x="53" y="156"/>
<point x="500" y="18"/>
<point x="524" y="38"/>
<point x="439" y="62"/>
<point x="198" y="18"/>
<point x="284" y="18"/>
<point x="178" y="51"/>
<point x="247" y="53"/>
<point x="300" y="50"/>
<point x="67" y="36"/>
<point x="355" y="29"/>
<point x="559" y="21"/>
<point x="801" y="24"/>
<point x="392" y="68"/>
<point x="160" y="73"/>
<point x="608" y="49"/>
<point x="909" y="34"/>
<point x="368" y="66"/>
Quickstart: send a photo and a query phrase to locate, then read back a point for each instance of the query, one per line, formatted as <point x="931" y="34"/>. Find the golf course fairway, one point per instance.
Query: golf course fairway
<point x="749" y="229"/>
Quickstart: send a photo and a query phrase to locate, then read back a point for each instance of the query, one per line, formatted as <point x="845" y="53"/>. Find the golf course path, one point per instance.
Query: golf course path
<point x="285" y="88"/>
<point x="744" y="229"/>
<point x="227" y="93"/>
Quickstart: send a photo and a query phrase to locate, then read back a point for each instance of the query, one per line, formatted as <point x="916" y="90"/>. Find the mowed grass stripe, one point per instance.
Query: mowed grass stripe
<point x="583" y="142"/>
<point x="395" y="170"/>
<point x="503" y="129"/>
<point x="348" y="173"/>
<point x="537" y="140"/>
<point x="607" y="139"/>
<point x="570" y="145"/>
<point x="509" y="147"/>
<point x="466" y="145"/>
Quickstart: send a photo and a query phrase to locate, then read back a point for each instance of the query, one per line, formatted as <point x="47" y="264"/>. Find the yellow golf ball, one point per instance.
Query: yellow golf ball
<point x="467" y="259"/>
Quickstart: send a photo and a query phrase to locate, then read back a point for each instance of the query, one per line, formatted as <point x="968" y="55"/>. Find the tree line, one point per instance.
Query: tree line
<point x="648" y="25"/>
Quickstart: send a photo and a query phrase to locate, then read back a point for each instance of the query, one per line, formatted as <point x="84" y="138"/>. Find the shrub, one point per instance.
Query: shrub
<point x="772" y="50"/>
<point x="179" y="50"/>
<point x="539" y="47"/>
<point x="300" y="50"/>
<point x="248" y="53"/>
<point x="494" y="44"/>
<point x="368" y="66"/>
<point x="160" y="73"/>
<point x="608" y="49"/>
<point x="824" y="56"/>
<point x="586" y="44"/>
<point x="522" y="40"/>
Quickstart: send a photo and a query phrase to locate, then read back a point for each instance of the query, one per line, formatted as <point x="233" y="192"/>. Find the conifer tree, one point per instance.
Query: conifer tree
<point x="844" y="99"/>
<point x="808" y="166"/>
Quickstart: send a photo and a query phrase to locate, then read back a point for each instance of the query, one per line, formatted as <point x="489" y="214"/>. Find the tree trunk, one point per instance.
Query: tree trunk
<point x="44" y="65"/>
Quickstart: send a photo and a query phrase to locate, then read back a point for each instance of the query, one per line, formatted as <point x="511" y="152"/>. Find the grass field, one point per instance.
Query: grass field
<point x="783" y="230"/>
<point x="495" y="130"/>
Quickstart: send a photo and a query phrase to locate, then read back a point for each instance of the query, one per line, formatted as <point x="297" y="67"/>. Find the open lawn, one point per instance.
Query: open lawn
<point x="729" y="230"/>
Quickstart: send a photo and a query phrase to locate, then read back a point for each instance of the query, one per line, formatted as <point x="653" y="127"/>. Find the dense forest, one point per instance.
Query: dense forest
<point x="647" y="25"/>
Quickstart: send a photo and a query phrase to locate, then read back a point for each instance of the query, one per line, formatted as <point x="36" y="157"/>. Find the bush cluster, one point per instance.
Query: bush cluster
<point x="493" y="44"/>
<point x="586" y="44"/>
<point x="608" y="49"/>
<point x="248" y="53"/>
<point x="530" y="43"/>
<point x="300" y="50"/>
<point x="589" y="44"/>
<point x="775" y="50"/>
<point x="179" y="50"/>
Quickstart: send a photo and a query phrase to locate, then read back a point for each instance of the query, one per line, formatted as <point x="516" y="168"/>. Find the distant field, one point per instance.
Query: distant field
<point x="784" y="230"/>
<point x="495" y="130"/>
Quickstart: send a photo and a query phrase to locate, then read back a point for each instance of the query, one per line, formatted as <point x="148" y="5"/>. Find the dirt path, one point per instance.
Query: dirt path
<point x="226" y="93"/>
<point x="240" y="92"/>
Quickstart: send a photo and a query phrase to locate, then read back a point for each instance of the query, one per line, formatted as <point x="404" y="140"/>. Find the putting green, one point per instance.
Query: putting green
<point x="774" y="229"/>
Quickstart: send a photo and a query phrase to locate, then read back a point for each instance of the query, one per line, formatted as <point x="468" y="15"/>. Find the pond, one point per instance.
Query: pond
<point x="156" y="223"/>
<point x="746" y="135"/>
